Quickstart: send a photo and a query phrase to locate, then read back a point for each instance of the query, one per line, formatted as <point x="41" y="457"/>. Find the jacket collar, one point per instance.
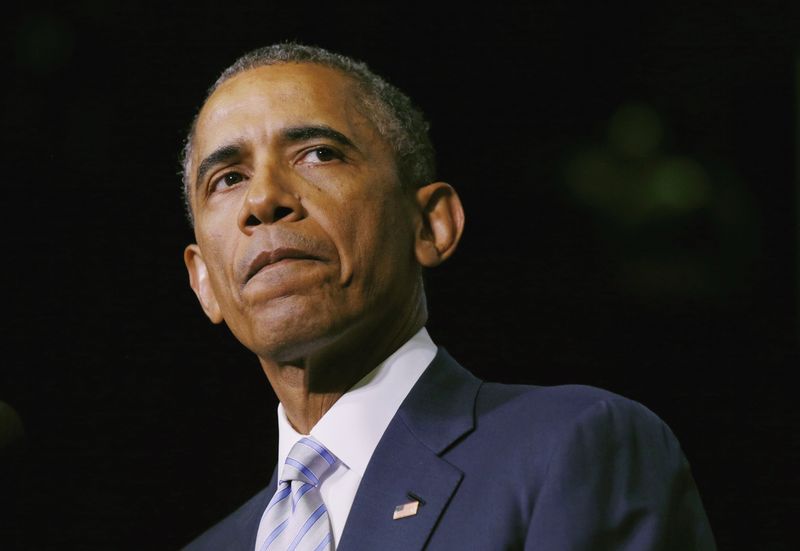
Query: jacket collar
<point x="407" y="466"/>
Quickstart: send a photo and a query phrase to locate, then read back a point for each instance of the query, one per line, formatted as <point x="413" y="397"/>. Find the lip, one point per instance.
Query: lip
<point x="265" y="259"/>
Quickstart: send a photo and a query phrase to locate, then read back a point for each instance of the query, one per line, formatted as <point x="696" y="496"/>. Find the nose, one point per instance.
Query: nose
<point x="269" y="199"/>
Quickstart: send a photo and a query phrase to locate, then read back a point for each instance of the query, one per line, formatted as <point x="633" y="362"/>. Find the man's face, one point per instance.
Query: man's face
<point x="304" y="232"/>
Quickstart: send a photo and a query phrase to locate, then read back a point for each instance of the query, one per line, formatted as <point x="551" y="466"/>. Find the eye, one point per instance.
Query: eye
<point x="320" y="155"/>
<point x="227" y="180"/>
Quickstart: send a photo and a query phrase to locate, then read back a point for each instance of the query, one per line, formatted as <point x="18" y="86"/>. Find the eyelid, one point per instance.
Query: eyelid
<point x="215" y="178"/>
<point x="336" y="151"/>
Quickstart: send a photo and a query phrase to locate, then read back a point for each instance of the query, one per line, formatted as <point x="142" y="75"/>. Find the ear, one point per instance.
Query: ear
<point x="201" y="285"/>
<point x="441" y="225"/>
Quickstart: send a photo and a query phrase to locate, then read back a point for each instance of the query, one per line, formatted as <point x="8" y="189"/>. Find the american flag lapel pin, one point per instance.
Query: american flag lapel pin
<point x="406" y="510"/>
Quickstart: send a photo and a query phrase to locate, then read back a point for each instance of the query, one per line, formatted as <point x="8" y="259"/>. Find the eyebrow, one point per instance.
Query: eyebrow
<point x="309" y="132"/>
<point x="228" y="152"/>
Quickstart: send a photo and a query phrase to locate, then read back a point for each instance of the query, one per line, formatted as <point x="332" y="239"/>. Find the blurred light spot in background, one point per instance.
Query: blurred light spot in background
<point x="635" y="130"/>
<point x="673" y="225"/>
<point x="678" y="184"/>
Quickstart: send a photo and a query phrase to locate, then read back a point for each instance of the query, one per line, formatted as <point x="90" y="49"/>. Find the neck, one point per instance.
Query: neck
<point x="308" y="387"/>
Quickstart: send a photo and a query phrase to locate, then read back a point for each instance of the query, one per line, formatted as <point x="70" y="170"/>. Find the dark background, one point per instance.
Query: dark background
<point x="630" y="181"/>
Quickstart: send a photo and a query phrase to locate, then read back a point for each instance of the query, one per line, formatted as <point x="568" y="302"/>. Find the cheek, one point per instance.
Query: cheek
<point x="383" y="246"/>
<point x="219" y="260"/>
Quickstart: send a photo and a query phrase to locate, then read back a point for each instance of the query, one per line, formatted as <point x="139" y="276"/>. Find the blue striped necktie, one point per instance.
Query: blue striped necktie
<point x="296" y="518"/>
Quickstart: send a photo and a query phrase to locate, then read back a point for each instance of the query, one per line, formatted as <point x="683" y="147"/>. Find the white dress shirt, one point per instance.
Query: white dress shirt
<point x="353" y="426"/>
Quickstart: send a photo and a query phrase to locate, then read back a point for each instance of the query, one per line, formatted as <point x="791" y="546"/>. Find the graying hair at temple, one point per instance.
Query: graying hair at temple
<point x="397" y="119"/>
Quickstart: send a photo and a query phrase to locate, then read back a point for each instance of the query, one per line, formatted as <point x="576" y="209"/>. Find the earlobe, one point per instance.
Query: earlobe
<point x="201" y="285"/>
<point x="442" y="223"/>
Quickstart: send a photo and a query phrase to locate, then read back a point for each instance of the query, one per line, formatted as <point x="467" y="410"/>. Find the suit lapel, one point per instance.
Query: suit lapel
<point x="407" y="466"/>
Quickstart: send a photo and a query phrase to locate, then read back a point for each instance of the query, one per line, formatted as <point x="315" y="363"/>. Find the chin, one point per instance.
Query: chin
<point x="298" y="326"/>
<point x="288" y="338"/>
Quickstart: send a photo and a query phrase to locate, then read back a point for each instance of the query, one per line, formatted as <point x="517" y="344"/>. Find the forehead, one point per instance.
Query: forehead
<point x="257" y="102"/>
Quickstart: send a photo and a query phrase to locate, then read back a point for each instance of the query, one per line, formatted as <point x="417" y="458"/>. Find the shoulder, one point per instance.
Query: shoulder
<point x="583" y="456"/>
<point x="558" y="405"/>
<point x="539" y="418"/>
<point x="570" y="420"/>
<point x="574" y="441"/>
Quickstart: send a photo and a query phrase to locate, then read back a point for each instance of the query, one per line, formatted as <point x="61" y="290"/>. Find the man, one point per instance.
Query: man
<point x="310" y="184"/>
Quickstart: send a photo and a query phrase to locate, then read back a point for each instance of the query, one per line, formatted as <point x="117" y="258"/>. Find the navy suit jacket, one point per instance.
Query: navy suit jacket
<point x="501" y="467"/>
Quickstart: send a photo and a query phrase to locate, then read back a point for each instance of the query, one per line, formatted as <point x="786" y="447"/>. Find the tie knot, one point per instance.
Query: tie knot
<point x="308" y="461"/>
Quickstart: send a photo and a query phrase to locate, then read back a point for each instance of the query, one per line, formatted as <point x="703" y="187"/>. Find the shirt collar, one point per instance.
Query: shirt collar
<point x="354" y="425"/>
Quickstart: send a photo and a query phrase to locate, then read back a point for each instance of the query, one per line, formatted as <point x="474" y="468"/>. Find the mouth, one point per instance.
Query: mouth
<point x="267" y="259"/>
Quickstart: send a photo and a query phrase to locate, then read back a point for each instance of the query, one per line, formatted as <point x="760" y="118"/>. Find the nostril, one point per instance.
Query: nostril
<point x="255" y="218"/>
<point x="282" y="212"/>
